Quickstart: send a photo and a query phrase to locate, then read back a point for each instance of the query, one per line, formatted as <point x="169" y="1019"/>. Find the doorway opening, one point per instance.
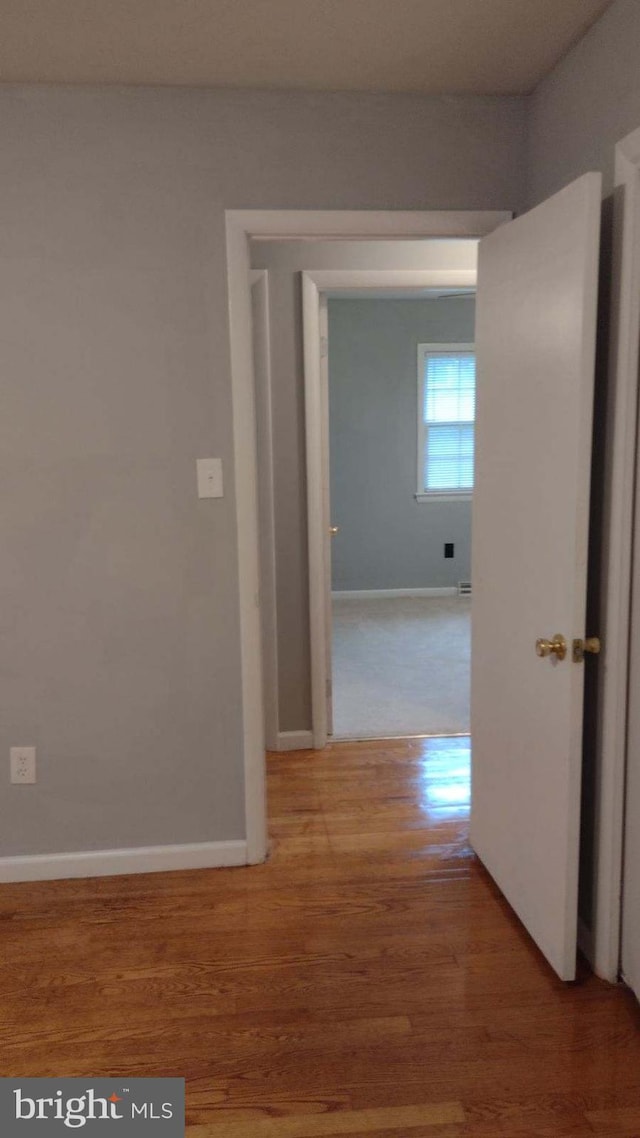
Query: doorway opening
<point x="401" y="406"/>
<point x="418" y="530"/>
<point x="242" y="228"/>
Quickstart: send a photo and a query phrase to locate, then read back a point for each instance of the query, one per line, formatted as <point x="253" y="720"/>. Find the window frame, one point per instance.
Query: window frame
<point x="421" y="494"/>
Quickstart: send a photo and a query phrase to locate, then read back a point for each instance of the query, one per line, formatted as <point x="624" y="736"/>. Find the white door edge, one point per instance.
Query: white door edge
<point x="323" y="315"/>
<point x="622" y="447"/>
<point x="241" y="226"/>
<point x="316" y="537"/>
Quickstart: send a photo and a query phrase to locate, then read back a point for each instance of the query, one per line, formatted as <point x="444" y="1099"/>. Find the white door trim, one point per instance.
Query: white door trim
<point x="621" y="447"/>
<point x="241" y="227"/>
<point x="247" y="535"/>
<point x="314" y="284"/>
<point x="259" y="279"/>
<point x="353" y="224"/>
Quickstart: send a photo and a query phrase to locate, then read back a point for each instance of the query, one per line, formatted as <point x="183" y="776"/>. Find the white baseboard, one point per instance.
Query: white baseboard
<point x="107" y="863"/>
<point x="295" y="740"/>
<point x="376" y="594"/>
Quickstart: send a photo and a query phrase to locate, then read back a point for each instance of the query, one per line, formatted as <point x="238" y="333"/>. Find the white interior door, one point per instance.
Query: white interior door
<point x="535" y="343"/>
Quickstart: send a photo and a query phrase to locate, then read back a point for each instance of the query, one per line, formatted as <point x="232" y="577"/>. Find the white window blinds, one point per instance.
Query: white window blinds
<point x="448" y="390"/>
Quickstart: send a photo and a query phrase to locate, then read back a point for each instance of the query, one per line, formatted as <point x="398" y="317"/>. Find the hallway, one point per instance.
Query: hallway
<point x="368" y="980"/>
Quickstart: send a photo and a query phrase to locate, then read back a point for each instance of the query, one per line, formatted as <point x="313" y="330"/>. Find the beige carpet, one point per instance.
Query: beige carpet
<point x="401" y="666"/>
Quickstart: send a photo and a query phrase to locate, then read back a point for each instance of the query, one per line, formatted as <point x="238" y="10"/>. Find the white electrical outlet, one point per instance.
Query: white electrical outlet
<point x="23" y="764"/>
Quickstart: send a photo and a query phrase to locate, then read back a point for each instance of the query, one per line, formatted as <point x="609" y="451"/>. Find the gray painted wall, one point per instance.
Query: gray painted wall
<point x="119" y="594"/>
<point x="284" y="260"/>
<point x="587" y="104"/>
<point x="120" y="638"/>
<point x="387" y="539"/>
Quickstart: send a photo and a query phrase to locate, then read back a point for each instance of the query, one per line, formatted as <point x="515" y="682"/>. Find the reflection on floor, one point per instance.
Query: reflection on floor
<point x="445" y="782"/>
<point x="367" y="980"/>
<point x="401" y="666"/>
<point x="404" y="926"/>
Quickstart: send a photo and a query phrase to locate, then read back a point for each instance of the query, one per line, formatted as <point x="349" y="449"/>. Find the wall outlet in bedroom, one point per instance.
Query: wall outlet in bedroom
<point x="22" y="762"/>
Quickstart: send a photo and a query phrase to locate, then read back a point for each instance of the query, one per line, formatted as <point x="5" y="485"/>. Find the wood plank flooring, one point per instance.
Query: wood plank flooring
<point x="368" y="980"/>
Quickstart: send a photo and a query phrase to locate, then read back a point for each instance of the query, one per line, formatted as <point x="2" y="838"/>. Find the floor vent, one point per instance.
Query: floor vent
<point x="464" y="588"/>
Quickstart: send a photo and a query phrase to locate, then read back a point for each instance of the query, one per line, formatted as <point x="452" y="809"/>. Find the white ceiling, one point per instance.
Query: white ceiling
<point x="426" y="46"/>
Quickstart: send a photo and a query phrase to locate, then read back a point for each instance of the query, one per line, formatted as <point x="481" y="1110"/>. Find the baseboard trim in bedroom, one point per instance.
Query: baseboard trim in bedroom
<point x="379" y="594"/>
<point x="295" y="740"/>
<point x="108" y="863"/>
<point x="397" y="737"/>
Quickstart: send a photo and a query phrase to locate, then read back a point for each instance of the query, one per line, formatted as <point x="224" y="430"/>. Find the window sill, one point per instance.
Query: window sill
<point x="451" y="496"/>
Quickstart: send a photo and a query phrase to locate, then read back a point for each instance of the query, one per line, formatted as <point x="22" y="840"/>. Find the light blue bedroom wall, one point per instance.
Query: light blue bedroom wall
<point x="387" y="539"/>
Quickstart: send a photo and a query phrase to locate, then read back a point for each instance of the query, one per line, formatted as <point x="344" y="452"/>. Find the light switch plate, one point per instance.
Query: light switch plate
<point x="209" y="477"/>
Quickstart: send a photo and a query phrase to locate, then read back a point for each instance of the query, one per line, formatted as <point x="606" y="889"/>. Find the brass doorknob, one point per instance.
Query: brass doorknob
<point x="333" y="530"/>
<point x="591" y="644"/>
<point x="556" y="647"/>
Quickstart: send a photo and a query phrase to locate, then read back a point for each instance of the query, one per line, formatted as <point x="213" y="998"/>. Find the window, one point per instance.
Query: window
<point x="446" y="413"/>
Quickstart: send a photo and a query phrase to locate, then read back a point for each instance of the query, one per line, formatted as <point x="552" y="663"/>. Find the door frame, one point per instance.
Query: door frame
<point x="259" y="280"/>
<point x="242" y="226"/>
<point x="621" y="449"/>
<point x="315" y="285"/>
<point x="603" y="944"/>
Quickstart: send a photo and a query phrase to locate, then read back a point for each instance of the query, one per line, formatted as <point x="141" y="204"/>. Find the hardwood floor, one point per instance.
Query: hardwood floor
<point x="368" y="980"/>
